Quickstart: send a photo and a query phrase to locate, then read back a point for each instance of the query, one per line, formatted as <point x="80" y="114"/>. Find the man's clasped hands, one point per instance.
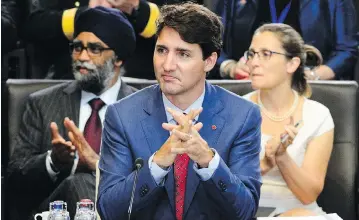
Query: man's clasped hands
<point x="184" y="139"/>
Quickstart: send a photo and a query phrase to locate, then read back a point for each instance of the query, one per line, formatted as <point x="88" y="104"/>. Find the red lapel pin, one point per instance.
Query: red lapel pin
<point x="214" y="127"/>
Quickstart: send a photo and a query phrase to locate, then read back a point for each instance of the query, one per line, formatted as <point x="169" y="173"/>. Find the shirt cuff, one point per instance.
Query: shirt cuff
<point x="76" y="162"/>
<point x="48" y="161"/>
<point x="206" y="173"/>
<point x="157" y="172"/>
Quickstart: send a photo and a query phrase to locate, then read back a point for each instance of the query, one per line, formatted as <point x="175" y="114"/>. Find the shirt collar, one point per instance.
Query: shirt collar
<point x="108" y="97"/>
<point x="195" y="105"/>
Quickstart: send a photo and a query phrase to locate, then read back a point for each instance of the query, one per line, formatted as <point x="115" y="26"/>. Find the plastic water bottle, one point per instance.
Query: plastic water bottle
<point x="58" y="211"/>
<point x="85" y="210"/>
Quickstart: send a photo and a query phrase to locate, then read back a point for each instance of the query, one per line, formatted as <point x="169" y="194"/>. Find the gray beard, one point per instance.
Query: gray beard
<point x="98" y="78"/>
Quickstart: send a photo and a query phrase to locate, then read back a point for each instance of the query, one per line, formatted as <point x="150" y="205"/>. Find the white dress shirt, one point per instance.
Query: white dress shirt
<point x="108" y="97"/>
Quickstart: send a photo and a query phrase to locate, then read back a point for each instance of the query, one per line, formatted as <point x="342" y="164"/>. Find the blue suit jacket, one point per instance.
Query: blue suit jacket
<point x="330" y="26"/>
<point x="133" y="128"/>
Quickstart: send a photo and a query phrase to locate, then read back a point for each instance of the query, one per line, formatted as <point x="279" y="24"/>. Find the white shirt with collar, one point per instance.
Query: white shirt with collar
<point x="108" y="97"/>
<point x="205" y="174"/>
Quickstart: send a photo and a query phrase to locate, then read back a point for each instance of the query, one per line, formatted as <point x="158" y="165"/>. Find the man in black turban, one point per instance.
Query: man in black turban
<point x="109" y="39"/>
<point x="58" y="144"/>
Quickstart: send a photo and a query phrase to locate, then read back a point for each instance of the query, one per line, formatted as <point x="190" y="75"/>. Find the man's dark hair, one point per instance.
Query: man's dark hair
<point x="195" y="24"/>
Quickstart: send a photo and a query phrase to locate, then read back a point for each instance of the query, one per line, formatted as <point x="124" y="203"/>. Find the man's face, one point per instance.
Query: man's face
<point x="93" y="68"/>
<point x="179" y="66"/>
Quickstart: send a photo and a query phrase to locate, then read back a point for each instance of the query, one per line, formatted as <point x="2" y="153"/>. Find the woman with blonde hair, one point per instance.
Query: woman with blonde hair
<point x="297" y="133"/>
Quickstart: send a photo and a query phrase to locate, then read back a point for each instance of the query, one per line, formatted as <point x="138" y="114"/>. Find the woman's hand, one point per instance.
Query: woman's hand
<point x="287" y="137"/>
<point x="271" y="148"/>
<point x="278" y="145"/>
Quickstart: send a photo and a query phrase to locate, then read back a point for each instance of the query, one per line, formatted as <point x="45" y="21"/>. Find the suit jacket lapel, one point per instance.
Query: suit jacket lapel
<point x="303" y="4"/>
<point x="155" y="134"/>
<point x="70" y="104"/>
<point x="125" y="90"/>
<point x="73" y="99"/>
<point x="213" y="124"/>
<point x="312" y="11"/>
<point x="152" y="125"/>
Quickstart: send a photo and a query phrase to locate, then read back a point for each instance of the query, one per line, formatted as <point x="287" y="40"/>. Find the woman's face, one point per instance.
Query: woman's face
<point x="268" y="62"/>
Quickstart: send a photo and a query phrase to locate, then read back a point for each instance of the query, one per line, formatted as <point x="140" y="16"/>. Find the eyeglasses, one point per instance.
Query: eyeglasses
<point x="93" y="49"/>
<point x="262" y="54"/>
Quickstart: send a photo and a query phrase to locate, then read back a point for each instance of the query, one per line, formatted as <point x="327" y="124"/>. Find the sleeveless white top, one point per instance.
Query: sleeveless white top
<point x="274" y="191"/>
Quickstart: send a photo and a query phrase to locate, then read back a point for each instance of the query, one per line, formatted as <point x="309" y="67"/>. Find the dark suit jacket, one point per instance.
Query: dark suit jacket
<point x="27" y="174"/>
<point x="330" y="26"/>
<point x="133" y="129"/>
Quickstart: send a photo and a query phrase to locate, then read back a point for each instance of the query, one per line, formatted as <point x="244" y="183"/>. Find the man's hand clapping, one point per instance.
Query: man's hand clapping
<point x="87" y="156"/>
<point x="63" y="152"/>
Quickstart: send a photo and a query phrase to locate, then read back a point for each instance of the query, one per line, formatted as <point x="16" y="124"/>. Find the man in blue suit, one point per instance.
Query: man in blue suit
<point x="201" y="156"/>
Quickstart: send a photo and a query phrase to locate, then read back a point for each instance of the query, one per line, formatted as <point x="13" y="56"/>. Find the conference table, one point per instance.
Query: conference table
<point x="332" y="216"/>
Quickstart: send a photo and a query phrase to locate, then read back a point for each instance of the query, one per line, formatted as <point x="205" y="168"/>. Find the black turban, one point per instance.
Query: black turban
<point x="111" y="26"/>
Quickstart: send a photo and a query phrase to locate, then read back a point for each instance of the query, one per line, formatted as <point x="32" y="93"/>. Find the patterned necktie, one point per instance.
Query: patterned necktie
<point x="180" y="173"/>
<point x="93" y="127"/>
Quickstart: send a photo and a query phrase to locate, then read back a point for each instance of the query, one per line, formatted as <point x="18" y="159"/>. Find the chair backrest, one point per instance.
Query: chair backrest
<point x="14" y="64"/>
<point x="356" y="69"/>
<point x="18" y="92"/>
<point x="340" y="191"/>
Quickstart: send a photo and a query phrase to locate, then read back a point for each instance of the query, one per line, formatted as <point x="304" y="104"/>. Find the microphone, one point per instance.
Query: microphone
<point x="138" y="166"/>
<point x="139" y="163"/>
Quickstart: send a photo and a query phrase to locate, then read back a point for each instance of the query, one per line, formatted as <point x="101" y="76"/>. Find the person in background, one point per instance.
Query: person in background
<point x="297" y="133"/>
<point x="48" y="164"/>
<point x="9" y="20"/>
<point x="53" y="20"/>
<point x="141" y="63"/>
<point x="50" y="28"/>
<point x="330" y="26"/>
<point x="203" y="168"/>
